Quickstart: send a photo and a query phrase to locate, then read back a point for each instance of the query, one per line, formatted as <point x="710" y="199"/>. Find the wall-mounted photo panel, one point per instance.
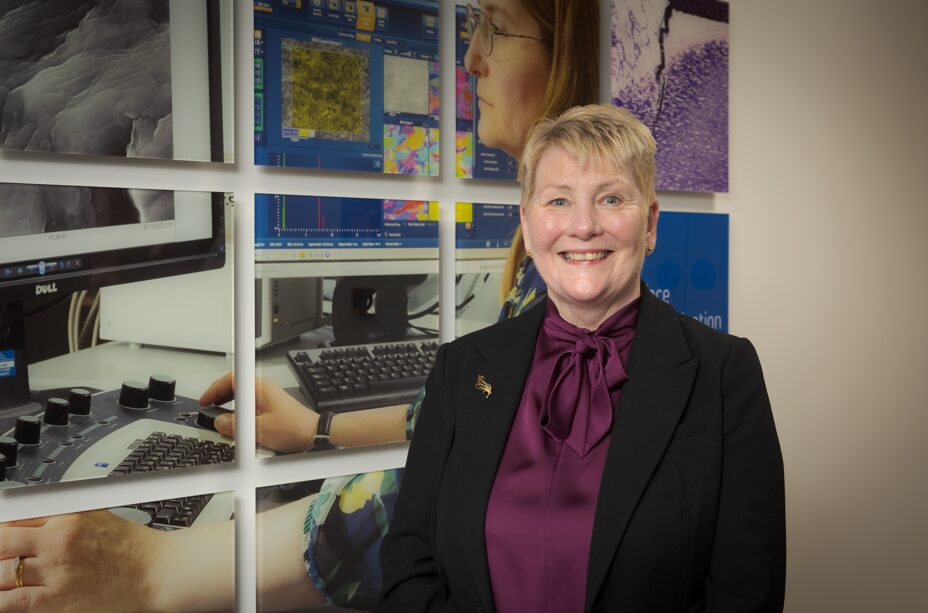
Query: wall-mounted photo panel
<point x="115" y="316"/>
<point x="670" y="68"/>
<point x="319" y="542"/>
<point x="164" y="555"/>
<point x="148" y="78"/>
<point x="689" y="266"/>
<point x="472" y="158"/>
<point x="346" y="318"/>
<point x="483" y="234"/>
<point x="505" y="81"/>
<point x="347" y="85"/>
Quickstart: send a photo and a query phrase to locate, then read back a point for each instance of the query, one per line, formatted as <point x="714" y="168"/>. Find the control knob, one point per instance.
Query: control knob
<point x="8" y="447"/>
<point x="80" y="401"/>
<point x="134" y="395"/>
<point x="161" y="388"/>
<point x="28" y="429"/>
<point x="56" y="412"/>
<point x="206" y="418"/>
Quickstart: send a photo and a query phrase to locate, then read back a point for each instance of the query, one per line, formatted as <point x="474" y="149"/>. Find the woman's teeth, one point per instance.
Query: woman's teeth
<point x="583" y="257"/>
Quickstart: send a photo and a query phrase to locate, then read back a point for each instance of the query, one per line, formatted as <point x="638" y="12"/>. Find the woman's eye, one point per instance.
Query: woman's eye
<point x="612" y="201"/>
<point x="558" y="202"/>
<point x="496" y="27"/>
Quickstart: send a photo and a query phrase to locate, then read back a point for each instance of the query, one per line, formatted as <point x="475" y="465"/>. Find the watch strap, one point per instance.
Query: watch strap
<point x="322" y="440"/>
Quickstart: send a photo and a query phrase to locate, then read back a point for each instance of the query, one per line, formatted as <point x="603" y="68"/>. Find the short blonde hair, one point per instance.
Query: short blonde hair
<point x="597" y="135"/>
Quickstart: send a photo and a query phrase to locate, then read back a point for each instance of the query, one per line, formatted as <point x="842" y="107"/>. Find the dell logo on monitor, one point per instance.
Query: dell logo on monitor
<point x="47" y="288"/>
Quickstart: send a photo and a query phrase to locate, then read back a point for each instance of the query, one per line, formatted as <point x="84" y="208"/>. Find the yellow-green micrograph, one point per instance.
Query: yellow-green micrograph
<point x="326" y="91"/>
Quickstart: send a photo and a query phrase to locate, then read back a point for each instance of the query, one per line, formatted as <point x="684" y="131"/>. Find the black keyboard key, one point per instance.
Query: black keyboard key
<point x="326" y="393"/>
<point x="165" y="516"/>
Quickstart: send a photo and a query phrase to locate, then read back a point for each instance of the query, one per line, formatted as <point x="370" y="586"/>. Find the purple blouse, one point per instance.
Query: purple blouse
<point x="539" y="521"/>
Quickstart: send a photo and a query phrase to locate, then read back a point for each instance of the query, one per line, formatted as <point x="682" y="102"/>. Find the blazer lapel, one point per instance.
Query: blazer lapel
<point x="661" y="374"/>
<point x="503" y="361"/>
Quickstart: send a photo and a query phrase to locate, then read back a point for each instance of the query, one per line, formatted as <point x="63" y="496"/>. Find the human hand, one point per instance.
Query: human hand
<point x="91" y="561"/>
<point x="282" y="423"/>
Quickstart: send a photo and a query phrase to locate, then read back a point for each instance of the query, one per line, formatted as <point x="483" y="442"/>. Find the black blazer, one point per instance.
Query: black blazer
<point x="690" y="514"/>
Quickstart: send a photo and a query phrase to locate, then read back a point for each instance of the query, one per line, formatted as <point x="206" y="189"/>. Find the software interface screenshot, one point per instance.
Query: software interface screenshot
<point x="347" y="84"/>
<point x="299" y="228"/>
<point x="484" y="231"/>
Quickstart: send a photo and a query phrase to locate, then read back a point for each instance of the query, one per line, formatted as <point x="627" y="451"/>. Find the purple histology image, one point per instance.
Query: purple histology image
<point x="670" y="68"/>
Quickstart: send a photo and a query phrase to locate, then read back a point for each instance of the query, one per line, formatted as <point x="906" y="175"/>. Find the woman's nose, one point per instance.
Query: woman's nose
<point x="584" y="222"/>
<point x="474" y="62"/>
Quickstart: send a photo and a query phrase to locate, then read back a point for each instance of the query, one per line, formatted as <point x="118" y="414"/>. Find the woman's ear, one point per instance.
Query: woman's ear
<point x="526" y="237"/>
<point x="653" y="214"/>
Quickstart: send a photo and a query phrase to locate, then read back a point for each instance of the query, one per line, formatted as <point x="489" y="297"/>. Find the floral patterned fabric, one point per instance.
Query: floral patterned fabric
<point x="528" y="290"/>
<point x="342" y="533"/>
<point x="346" y="522"/>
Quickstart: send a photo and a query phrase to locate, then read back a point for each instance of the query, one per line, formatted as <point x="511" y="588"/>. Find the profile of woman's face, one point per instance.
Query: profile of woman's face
<point x="511" y="81"/>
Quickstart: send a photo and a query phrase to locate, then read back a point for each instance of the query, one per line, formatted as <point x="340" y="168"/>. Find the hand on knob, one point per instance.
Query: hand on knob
<point x="282" y="424"/>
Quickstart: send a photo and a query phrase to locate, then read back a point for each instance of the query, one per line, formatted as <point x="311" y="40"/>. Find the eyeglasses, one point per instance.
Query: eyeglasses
<point x="479" y="23"/>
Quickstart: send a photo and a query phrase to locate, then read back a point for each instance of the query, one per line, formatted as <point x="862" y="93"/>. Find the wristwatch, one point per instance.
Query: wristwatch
<point x="322" y="440"/>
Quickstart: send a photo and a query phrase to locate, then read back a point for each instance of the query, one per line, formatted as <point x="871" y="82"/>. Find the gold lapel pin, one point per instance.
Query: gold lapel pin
<point x="483" y="386"/>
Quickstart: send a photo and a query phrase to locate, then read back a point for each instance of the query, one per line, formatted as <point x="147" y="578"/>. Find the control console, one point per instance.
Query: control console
<point x="142" y="427"/>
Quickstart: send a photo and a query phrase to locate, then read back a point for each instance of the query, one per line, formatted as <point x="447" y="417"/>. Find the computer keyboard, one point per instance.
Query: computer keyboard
<point x="162" y="451"/>
<point x="185" y="512"/>
<point x="363" y="376"/>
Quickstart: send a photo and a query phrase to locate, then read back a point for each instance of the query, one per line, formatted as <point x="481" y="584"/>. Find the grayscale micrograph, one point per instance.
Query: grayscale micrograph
<point x="86" y="76"/>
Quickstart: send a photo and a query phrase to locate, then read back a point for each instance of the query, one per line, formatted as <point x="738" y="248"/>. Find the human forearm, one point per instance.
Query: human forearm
<point x="285" y="425"/>
<point x="283" y="583"/>
<point x="369" y="427"/>
<point x="194" y="569"/>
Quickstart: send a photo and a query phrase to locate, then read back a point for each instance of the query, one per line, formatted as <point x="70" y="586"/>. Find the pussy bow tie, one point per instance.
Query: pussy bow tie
<point x="577" y="408"/>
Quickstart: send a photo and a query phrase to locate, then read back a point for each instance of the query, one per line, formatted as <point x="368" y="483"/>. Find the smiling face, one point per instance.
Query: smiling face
<point x="589" y="229"/>
<point x="511" y="82"/>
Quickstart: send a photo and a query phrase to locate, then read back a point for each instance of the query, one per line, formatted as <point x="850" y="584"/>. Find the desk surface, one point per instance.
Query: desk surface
<point x="107" y="366"/>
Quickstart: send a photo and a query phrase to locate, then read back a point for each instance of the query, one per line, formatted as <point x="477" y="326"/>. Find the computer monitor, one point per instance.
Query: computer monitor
<point x="376" y="261"/>
<point x="55" y="240"/>
<point x="347" y="84"/>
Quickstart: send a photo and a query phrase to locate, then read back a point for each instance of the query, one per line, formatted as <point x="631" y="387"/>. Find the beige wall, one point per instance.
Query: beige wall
<point x="829" y="209"/>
